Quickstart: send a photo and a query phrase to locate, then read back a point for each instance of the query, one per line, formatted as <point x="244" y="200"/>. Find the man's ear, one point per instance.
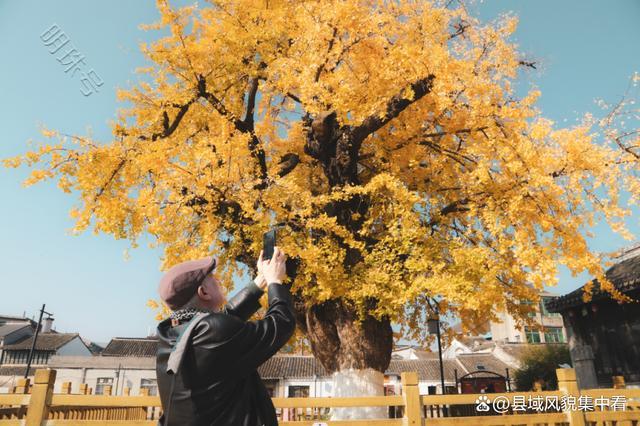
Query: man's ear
<point x="203" y="294"/>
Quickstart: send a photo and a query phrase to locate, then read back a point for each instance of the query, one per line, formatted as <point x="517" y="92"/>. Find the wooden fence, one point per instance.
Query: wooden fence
<point x="37" y="405"/>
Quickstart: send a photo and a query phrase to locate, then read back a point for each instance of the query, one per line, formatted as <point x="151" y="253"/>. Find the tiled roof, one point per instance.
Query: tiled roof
<point x="624" y="275"/>
<point x="45" y="342"/>
<point x="9" y="328"/>
<point x="14" y="318"/>
<point x="128" y="346"/>
<point x="306" y="366"/>
<point x="426" y="369"/>
<point x="481" y="362"/>
<point x="291" y="366"/>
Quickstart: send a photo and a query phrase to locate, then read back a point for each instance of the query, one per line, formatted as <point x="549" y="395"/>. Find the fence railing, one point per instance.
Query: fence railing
<point x="37" y="405"/>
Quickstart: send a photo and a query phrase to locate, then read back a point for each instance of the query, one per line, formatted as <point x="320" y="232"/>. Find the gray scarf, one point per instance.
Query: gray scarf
<point x="185" y="314"/>
<point x="177" y="353"/>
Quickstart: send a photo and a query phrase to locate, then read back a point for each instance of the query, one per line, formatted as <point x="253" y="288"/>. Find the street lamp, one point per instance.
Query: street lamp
<point x="35" y="338"/>
<point x="433" y="326"/>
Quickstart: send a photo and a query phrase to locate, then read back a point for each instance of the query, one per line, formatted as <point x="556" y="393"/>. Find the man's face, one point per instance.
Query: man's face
<point x="211" y="295"/>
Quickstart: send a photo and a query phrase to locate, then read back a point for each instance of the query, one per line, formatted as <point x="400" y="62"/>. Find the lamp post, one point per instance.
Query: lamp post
<point x="433" y="325"/>
<point x="35" y="338"/>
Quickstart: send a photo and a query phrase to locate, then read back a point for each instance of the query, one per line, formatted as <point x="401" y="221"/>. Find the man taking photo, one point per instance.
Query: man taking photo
<point x="208" y="352"/>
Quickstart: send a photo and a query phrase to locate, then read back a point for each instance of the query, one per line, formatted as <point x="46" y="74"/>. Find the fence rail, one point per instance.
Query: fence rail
<point x="36" y="405"/>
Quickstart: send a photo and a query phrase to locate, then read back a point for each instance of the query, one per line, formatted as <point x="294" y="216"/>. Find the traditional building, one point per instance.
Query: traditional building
<point x="122" y="374"/>
<point x="13" y="363"/>
<point x="14" y="329"/>
<point x="603" y="334"/>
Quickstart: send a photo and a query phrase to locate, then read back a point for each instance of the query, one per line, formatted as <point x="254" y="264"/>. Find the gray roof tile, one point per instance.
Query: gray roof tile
<point x="128" y="346"/>
<point x="45" y="342"/>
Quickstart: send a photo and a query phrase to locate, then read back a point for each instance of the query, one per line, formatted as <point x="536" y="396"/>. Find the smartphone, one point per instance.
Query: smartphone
<point x="269" y="242"/>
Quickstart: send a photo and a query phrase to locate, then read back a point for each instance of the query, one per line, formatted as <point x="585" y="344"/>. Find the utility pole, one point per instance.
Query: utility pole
<point x="433" y="325"/>
<point x="35" y="338"/>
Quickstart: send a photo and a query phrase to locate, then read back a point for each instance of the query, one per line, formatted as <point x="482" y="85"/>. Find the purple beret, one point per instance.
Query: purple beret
<point x="180" y="283"/>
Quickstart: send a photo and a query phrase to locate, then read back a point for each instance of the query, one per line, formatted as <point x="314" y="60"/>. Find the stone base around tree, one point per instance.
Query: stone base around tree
<point x="358" y="383"/>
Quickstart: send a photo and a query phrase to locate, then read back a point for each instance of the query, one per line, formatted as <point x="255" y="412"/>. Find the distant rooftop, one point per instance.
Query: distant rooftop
<point x="8" y="328"/>
<point x="627" y="252"/>
<point x="45" y="342"/>
<point x="624" y="275"/>
<point x="131" y="346"/>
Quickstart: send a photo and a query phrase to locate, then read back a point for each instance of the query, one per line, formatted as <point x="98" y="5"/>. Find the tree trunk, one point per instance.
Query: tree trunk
<point x="356" y="355"/>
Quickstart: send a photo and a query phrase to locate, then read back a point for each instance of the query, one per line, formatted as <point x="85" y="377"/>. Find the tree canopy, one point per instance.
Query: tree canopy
<point x="385" y="139"/>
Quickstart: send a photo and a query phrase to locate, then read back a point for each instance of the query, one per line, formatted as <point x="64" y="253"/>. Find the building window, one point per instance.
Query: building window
<point x="150" y="384"/>
<point x="543" y="308"/>
<point x="298" y="392"/>
<point x="529" y="303"/>
<point x="553" y="335"/>
<point x="533" y="336"/>
<point x="101" y="383"/>
<point x="16" y="357"/>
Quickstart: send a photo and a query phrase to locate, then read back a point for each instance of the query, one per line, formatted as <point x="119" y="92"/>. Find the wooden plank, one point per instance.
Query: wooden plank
<point x="100" y="422"/>
<point x="14" y="399"/>
<point x="105" y="401"/>
<point x="471" y="397"/>
<point x="12" y="422"/>
<point x="365" y="401"/>
<point x="513" y="419"/>
<point x="628" y="393"/>
<point x="599" y="416"/>
<point x="373" y="422"/>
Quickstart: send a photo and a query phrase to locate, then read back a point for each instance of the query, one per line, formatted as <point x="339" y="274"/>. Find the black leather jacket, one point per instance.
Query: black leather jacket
<point x="217" y="382"/>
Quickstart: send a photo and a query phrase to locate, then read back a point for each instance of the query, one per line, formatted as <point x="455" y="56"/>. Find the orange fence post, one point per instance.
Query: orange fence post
<point x="567" y="383"/>
<point x="40" y="397"/>
<point x="618" y="382"/>
<point x="83" y="388"/>
<point x="66" y="387"/>
<point x="411" y="395"/>
<point x="22" y="386"/>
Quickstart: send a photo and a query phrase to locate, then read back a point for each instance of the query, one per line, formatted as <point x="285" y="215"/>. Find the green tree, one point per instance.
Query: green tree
<point x="540" y="363"/>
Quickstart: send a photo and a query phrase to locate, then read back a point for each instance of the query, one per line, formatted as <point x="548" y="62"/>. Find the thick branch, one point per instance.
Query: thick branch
<point x="288" y="162"/>
<point x="169" y="128"/>
<point x="251" y="103"/>
<point x="217" y="104"/>
<point x="395" y="106"/>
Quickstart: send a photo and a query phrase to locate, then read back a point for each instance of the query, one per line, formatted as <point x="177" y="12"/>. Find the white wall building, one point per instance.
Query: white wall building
<point x="132" y="373"/>
<point x="14" y="358"/>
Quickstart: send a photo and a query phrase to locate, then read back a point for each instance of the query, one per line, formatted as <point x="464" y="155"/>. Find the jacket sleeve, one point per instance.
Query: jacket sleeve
<point x="245" y="303"/>
<point x="257" y="341"/>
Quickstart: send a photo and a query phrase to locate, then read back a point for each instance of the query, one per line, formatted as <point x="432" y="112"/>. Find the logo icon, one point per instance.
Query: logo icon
<point x="482" y="403"/>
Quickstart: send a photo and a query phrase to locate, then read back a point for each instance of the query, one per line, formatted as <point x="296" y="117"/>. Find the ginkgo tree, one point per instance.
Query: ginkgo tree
<point x="385" y="141"/>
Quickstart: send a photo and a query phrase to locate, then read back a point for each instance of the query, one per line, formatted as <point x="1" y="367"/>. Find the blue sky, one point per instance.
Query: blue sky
<point x="586" y="49"/>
